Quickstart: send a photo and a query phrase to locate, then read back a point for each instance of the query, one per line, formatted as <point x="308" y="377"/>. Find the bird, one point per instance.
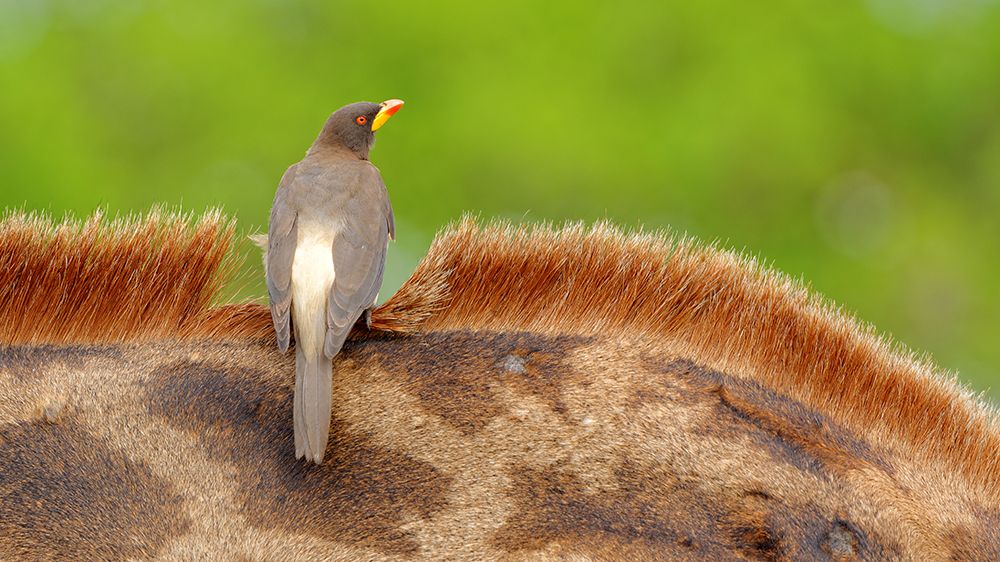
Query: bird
<point x="328" y="232"/>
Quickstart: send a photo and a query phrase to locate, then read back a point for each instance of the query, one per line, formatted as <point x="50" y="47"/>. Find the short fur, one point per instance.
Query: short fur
<point x="557" y="394"/>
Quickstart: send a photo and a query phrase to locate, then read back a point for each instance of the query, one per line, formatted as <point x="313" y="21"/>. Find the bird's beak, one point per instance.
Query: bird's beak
<point x="388" y="108"/>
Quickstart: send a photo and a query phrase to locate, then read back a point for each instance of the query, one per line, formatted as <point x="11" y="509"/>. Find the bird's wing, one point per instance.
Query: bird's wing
<point x="358" y="260"/>
<point x="389" y="217"/>
<point x="282" y="232"/>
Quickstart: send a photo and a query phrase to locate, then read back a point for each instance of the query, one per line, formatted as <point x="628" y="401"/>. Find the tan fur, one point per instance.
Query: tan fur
<point x="553" y="394"/>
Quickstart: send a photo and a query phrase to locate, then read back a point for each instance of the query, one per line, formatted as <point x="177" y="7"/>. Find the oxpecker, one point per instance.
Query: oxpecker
<point x="327" y="237"/>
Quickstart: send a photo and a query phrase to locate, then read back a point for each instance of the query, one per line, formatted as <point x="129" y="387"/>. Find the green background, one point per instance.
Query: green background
<point x="852" y="144"/>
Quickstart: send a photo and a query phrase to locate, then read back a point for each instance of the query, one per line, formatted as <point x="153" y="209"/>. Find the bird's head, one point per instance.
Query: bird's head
<point x="353" y="126"/>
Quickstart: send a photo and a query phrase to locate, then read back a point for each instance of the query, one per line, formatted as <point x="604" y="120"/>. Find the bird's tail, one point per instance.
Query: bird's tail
<point x="313" y="390"/>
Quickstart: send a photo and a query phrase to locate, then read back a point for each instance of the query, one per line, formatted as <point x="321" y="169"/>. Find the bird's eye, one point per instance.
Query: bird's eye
<point x="361" y="120"/>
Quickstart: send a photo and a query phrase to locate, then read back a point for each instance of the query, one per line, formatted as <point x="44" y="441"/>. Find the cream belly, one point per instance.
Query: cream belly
<point x="312" y="277"/>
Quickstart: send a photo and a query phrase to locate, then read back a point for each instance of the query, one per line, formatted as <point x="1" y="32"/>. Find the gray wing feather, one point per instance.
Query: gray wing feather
<point x="358" y="262"/>
<point x="282" y="233"/>
<point x="390" y="218"/>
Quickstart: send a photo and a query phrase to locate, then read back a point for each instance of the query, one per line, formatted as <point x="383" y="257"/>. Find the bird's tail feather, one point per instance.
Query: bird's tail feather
<point x="313" y="396"/>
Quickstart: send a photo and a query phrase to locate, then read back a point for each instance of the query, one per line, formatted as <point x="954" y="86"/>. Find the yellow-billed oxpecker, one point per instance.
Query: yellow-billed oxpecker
<point x="327" y="237"/>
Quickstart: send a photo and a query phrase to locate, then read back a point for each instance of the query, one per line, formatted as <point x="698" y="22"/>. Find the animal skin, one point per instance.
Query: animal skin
<point x="531" y="393"/>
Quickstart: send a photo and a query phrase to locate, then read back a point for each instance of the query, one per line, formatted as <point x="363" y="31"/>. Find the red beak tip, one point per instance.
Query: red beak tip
<point x="392" y="106"/>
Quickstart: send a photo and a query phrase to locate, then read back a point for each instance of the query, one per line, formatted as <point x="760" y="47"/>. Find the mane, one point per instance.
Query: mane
<point x="127" y="279"/>
<point x="160" y="276"/>
<point x="719" y="308"/>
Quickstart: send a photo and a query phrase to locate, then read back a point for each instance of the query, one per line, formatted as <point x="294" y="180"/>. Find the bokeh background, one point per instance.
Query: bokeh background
<point x="852" y="144"/>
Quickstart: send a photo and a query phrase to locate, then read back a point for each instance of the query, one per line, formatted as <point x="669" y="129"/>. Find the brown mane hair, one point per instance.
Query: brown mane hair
<point x="157" y="277"/>
<point x="131" y="278"/>
<point x="716" y="307"/>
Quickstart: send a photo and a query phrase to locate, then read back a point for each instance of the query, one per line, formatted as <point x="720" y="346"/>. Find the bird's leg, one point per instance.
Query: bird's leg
<point x="364" y="322"/>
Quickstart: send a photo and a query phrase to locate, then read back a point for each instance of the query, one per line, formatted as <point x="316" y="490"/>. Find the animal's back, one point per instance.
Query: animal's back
<point x="570" y="394"/>
<point x="458" y="445"/>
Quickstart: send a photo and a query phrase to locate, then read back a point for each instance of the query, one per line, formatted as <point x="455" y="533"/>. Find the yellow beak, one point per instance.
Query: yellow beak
<point x="388" y="108"/>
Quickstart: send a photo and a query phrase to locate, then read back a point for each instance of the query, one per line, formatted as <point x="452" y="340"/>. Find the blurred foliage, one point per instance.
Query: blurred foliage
<point x="854" y="144"/>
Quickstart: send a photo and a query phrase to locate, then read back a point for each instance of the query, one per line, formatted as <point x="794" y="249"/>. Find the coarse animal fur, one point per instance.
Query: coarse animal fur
<point x="530" y="393"/>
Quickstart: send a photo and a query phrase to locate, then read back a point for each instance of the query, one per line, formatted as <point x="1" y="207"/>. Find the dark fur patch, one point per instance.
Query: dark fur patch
<point x="455" y="373"/>
<point x="66" y="495"/>
<point x="553" y="506"/>
<point x="978" y="542"/>
<point x="26" y="361"/>
<point x="788" y="429"/>
<point x="842" y="543"/>
<point x="652" y="513"/>
<point x="359" y="495"/>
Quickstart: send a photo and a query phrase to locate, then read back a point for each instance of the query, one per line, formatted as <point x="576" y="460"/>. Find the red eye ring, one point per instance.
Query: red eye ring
<point x="361" y="120"/>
